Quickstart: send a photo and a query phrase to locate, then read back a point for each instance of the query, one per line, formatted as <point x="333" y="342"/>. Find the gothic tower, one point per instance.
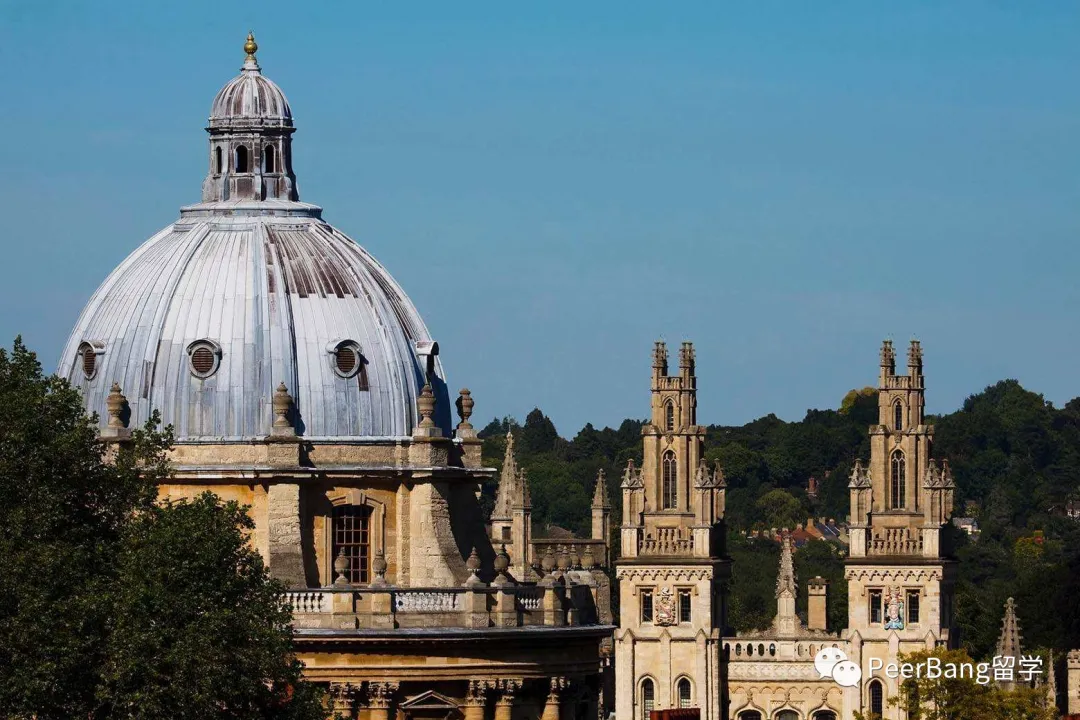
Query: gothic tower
<point x="672" y="573"/>
<point x="900" y="578"/>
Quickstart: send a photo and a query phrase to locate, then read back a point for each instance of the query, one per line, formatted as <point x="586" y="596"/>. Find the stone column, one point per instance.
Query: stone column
<point x="380" y="697"/>
<point x="343" y="699"/>
<point x="476" y="699"/>
<point x="551" y="706"/>
<point x="504" y="706"/>
<point x="286" y="560"/>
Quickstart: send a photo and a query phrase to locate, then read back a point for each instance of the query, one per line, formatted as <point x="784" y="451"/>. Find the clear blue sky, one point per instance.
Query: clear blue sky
<point x="558" y="186"/>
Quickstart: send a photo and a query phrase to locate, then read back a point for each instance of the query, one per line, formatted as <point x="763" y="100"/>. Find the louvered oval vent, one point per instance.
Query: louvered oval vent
<point x="203" y="357"/>
<point x="345" y="358"/>
<point x="89" y="360"/>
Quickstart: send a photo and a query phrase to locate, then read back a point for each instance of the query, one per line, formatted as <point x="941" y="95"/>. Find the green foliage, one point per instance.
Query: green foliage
<point x="752" y="601"/>
<point x="200" y="628"/>
<point x="780" y="509"/>
<point x="1015" y="457"/>
<point x="824" y="560"/>
<point x="964" y="698"/>
<point x="110" y="606"/>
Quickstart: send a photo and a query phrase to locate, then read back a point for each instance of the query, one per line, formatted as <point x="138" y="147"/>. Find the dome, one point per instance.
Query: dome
<point x="250" y="97"/>
<point x="205" y="319"/>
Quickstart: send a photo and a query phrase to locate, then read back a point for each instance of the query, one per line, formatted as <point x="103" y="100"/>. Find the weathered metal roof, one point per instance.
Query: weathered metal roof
<point x="275" y="290"/>
<point x="250" y="97"/>
<point x="206" y="318"/>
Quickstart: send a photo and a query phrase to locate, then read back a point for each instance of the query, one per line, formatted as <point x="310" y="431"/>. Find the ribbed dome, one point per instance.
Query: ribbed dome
<point x="251" y="97"/>
<point x="207" y="317"/>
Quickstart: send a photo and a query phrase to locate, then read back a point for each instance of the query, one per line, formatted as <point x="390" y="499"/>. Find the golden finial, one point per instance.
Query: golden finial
<point x="250" y="47"/>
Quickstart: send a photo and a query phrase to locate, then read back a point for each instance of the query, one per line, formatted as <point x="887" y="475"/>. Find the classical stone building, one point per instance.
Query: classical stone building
<point x="302" y="382"/>
<point x="672" y="572"/>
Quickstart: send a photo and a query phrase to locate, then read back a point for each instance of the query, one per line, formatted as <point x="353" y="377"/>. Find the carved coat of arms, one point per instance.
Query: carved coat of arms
<point x="894" y="610"/>
<point x="665" y="607"/>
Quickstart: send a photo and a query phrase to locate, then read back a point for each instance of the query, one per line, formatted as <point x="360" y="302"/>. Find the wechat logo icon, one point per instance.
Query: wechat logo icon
<point x="833" y="662"/>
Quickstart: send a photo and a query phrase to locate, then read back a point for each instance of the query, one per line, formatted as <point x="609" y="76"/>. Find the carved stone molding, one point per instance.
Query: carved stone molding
<point x="507" y="688"/>
<point x="343" y="698"/>
<point x="381" y="694"/>
<point x="774" y="671"/>
<point x="893" y="574"/>
<point x="664" y="573"/>
<point x="476" y="695"/>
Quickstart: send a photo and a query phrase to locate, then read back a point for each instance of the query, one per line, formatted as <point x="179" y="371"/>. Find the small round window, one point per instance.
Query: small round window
<point x="346" y="360"/>
<point x="204" y="357"/>
<point x="88" y="359"/>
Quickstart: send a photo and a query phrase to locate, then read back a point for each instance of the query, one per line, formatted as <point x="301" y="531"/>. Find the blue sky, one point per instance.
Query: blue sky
<point x="785" y="184"/>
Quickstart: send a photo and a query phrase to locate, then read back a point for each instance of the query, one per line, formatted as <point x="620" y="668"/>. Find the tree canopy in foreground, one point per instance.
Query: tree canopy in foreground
<point x="112" y="606"/>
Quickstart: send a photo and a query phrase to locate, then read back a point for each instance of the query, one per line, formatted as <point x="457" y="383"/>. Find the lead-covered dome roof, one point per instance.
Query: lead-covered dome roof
<point x="250" y="97"/>
<point x="208" y="316"/>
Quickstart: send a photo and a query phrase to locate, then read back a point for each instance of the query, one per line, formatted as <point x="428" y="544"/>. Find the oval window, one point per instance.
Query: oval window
<point x="345" y="360"/>
<point x="204" y="357"/>
<point x="88" y="360"/>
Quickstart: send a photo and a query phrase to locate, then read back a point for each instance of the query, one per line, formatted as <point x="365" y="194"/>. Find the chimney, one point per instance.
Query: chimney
<point x="815" y="615"/>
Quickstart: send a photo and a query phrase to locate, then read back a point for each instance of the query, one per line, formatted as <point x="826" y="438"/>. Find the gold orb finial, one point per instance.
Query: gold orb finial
<point x="251" y="47"/>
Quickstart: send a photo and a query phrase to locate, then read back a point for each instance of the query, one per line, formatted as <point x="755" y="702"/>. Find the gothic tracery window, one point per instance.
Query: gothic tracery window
<point x="670" y="489"/>
<point x="898" y="415"/>
<point x="685" y="693"/>
<point x="352" y="538"/>
<point x="898" y="489"/>
<point x="669" y="410"/>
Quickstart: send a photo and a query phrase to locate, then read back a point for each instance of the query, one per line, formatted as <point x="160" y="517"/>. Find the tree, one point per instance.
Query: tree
<point x="200" y="628"/>
<point x="62" y="514"/>
<point x="971" y="696"/>
<point x="780" y="509"/>
<point x="93" y="576"/>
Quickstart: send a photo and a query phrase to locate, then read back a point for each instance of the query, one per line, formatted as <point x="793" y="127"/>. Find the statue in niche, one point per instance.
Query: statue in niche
<point x="665" y="607"/>
<point x="894" y="611"/>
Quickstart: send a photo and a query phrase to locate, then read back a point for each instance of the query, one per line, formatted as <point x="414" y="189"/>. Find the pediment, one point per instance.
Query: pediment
<point x="429" y="700"/>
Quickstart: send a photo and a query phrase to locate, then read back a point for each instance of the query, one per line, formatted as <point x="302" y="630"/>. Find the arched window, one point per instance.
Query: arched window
<point x="787" y="715"/>
<point x="268" y="159"/>
<point x="352" y="539"/>
<point x="241" y="165"/>
<point x="669" y="412"/>
<point x="898" y="415"/>
<point x="899" y="484"/>
<point x="824" y="715"/>
<point x="877" y="699"/>
<point x="911" y="698"/>
<point x="750" y="715"/>
<point x="670" y="479"/>
<point x="217" y="159"/>
<point x="685" y="692"/>
<point x="648" y="698"/>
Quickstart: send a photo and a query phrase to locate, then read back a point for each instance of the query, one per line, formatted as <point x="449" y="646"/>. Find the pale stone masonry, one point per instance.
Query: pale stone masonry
<point x="303" y="384"/>
<point x="672" y="572"/>
<point x="900" y="577"/>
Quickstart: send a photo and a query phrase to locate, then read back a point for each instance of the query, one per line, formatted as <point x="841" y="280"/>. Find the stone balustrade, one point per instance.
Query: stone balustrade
<point x="666" y="541"/>
<point x="895" y="541"/>
<point x="554" y="602"/>
<point x="308" y="601"/>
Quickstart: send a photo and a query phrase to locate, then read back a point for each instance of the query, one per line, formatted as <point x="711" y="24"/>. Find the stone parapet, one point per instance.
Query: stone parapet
<point x="473" y="607"/>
